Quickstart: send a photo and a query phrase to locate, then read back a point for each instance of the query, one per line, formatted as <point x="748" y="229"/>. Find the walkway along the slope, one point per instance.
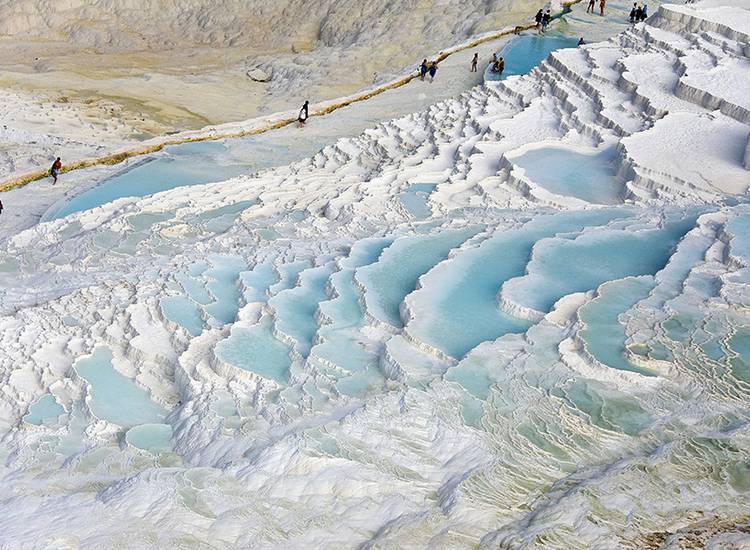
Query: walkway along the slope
<point x="258" y="125"/>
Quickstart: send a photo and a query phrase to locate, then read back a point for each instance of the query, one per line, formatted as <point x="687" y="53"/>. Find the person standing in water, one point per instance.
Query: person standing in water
<point x="423" y="69"/>
<point x="474" y="62"/>
<point x="602" y="3"/>
<point x="304" y="112"/>
<point x="499" y="66"/>
<point x="433" y="70"/>
<point x="55" y="170"/>
<point x="538" y="18"/>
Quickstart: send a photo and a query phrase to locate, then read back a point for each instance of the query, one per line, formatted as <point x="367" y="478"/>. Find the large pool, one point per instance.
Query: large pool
<point x="525" y="52"/>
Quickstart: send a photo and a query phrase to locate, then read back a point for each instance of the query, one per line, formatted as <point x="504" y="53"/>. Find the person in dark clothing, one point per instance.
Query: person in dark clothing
<point x="433" y="70"/>
<point x="538" y="18"/>
<point x="304" y="113"/>
<point x="423" y="68"/>
<point x="638" y="14"/>
<point x="55" y="170"/>
<point x="546" y="19"/>
<point x="633" y="12"/>
<point x="644" y="12"/>
<point x="474" y="62"/>
<point x="1" y="207"/>
<point x="581" y="42"/>
<point x="591" y="8"/>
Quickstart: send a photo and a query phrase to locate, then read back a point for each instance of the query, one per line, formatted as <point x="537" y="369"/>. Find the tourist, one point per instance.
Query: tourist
<point x="499" y="66"/>
<point x="423" y="69"/>
<point x="546" y="19"/>
<point x="304" y="112"/>
<point x="590" y="9"/>
<point x="644" y="13"/>
<point x="55" y="170"/>
<point x="581" y="42"/>
<point x="433" y="70"/>
<point x="639" y="14"/>
<point x="474" y="62"/>
<point x="538" y="18"/>
<point x="602" y="3"/>
<point x="633" y="12"/>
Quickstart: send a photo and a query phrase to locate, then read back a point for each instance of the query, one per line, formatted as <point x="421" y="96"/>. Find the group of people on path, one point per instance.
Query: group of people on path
<point x="497" y="65"/>
<point x="428" y="68"/>
<point x="592" y="9"/>
<point x="638" y="13"/>
<point x="543" y="19"/>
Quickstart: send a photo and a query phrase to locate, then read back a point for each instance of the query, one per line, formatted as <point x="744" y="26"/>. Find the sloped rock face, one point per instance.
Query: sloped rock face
<point x="155" y="24"/>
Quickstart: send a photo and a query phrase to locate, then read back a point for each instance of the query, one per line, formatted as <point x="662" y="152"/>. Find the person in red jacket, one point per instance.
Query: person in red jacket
<point x="55" y="170"/>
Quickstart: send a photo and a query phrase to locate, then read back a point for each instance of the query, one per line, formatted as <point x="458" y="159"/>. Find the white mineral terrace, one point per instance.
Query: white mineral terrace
<point x="517" y="318"/>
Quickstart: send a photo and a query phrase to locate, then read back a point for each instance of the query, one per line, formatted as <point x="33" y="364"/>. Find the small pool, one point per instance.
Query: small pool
<point x="416" y="199"/>
<point x="154" y="438"/>
<point x="114" y="397"/>
<point x="44" y="411"/>
<point x="187" y="164"/>
<point x="526" y="51"/>
<point x="563" y="171"/>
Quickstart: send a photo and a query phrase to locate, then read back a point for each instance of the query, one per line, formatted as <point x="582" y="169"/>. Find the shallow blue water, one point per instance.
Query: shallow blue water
<point x="604" y="334"/>
<point x="525" y="52"/>
<point x="155" y="438"/>
<point x="114" y="397"/>
<point x="257" y="282"/>
<point x="563" y="267"/>
<point x="187" y="164"/>
<point x="45" y="409"/>
<point x="223" y="279"/>
<point x="295" y="308"/>
<point x="462" y="310"/>
<point x="257" y="350"/>
<point x="339" y="340"/>
<point x="566" y="172"/>
<point x="183" y="311"/>
<point x="415" y="199"/>
<point x="396" y="273"/>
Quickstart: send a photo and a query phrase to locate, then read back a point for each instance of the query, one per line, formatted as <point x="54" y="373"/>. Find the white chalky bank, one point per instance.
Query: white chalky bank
<point x="516" y="319"/>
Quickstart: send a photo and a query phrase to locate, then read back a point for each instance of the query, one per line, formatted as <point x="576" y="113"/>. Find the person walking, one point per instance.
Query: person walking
<point x="591" y="8"/>
<point x="304" y="113"/>
<point x="602" y="4"/>
<point x="55" y="170"/>
<point x="474" y="62"/>
<point x="433" y="70"/>
<point x="538" y="18"/>
<point x="546" y="19"/>
<point x="423" y="69"/>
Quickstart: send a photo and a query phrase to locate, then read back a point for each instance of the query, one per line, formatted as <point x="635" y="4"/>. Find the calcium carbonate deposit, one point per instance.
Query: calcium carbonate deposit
<point x="517" y="318"/>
